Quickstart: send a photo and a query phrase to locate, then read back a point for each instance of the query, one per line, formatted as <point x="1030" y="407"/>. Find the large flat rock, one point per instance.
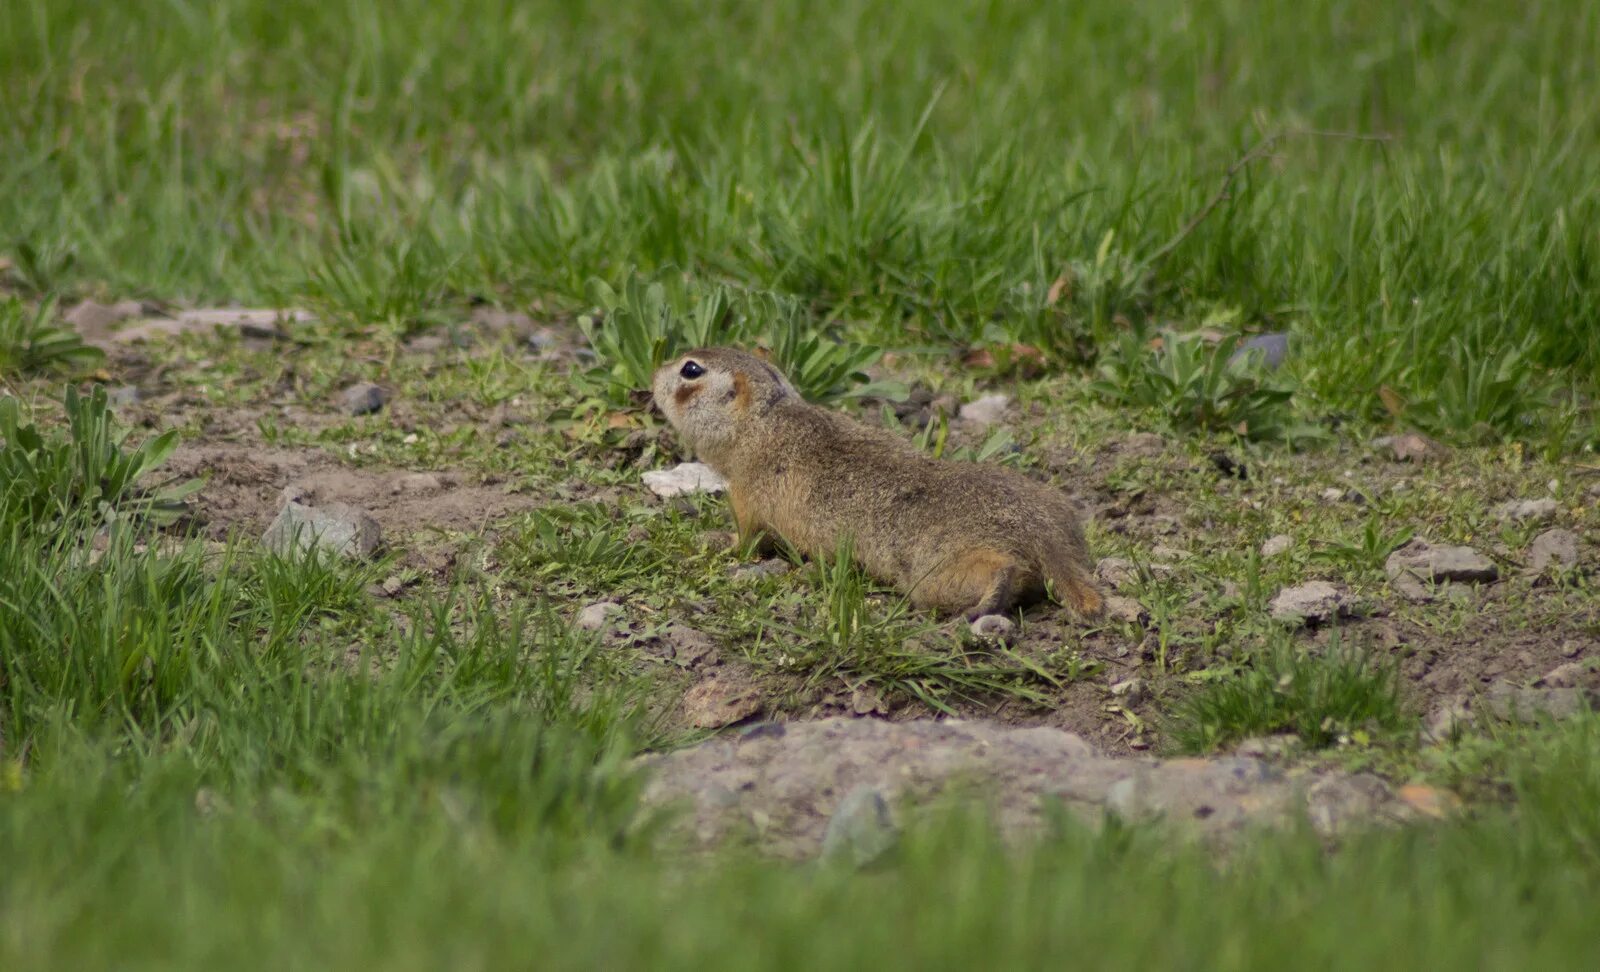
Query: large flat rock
<point x="778" y="785"/>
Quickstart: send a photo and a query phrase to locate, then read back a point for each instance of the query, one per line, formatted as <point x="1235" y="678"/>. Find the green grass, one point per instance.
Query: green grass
<point x="215" y="757"/>
<point x="977" y="173"/>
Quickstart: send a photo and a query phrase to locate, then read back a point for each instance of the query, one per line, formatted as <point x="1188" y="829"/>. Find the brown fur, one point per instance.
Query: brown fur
<point x="963" y="538"/>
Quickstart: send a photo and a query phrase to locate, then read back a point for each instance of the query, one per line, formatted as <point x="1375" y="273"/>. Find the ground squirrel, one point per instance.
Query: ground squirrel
<point x="957" y="537"/>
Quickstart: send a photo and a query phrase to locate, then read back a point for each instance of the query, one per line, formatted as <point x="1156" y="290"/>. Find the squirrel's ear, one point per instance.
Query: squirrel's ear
<point x="761" y="352"/>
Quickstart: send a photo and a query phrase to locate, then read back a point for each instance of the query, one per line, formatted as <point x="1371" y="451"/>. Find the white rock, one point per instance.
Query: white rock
<point x="984" y="411"/>
<point x="597" y="616"/>
<point x="338" y="527"/>
<point x="1535" y="510"/>
<point x="1277" y="546"/>
<point x="1553" y="548"/>
<point x="995" y="627"/>
<point x="1310" y="602"/>
<point x="684" y="479"/>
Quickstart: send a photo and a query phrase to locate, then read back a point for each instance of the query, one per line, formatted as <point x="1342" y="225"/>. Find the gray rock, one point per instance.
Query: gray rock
<point x="984" y="411"/>
<point x="598" y="616"/>
<point x="1567" y="675"/>
<point x="1131" y="691"/>
<point x="1430" y="564"/>
<point x="860" y="831"/>
<point x="771" y="567"/>
<point x="337" y="527"/>
<point x="1409" y="448"/>
<point x="1310" y="603"/>
<point x="1514" y="703"/>
<point x="1556" y="549"/>
<point x="1125" y="609"/>
<point x="995" y="627"/>
<point x="1116" y="572"/>
<point x="123" y="395"/>
<point x="780" y="787"/>
<point x="1270" y="349"/>
<point x="1535" y="510"/>
<point x="93" y="320"/>
<point x="1277" y="546"/>
<point x="362" y="399"/>
<point x="1447" y="721"/>
<point x="1143" y="444"/>
<point x="720" y="701"/>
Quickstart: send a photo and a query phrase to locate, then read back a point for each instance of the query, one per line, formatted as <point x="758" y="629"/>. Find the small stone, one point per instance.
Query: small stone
<point x="995" y="627"/>
<point x="392" y="586"/>
<point x="92" y="320"/>
<point x="1126" y="610"/>
<point x="1409" y="448"/>
<point x="418" y="482"/>
<point x="860" y="830"/>
<point x="1116" y="572"/>
<point x="771" y="567"/>
<point x="342" y="529"/>
<point x="362" y="399"/>
<point x="1568" y="675"/>
<point x="598" y="616"/>
<point x="865" y="701"/>
<point x="718" y="702"/>
<point x="1513" y="704"/>
<point x="1144" y="444"/>
<point x="1268" y="349"/>
<point x="1426" y="562"/>
<point x="1131" y="691"/>
<point x="1430" y="801"/>
<point x="1333" y="494"/>
<point x="1267" y="747"/>
<point x="691" y="647"/>
<point x="1553" y="549"/>
<point x="1277" y="546"/>
<point x="1447" y="721"/>
<point x="123" y="395"/>
<point x="684" y="479"/>
<point x="1528" y="511"/>
<point x="985" y="411"/>
<point x="1310" y="603"/>
<point x="1571" y="648"/>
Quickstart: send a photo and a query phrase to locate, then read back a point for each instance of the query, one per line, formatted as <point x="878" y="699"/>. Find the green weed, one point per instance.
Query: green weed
<point x="29" y="342"/>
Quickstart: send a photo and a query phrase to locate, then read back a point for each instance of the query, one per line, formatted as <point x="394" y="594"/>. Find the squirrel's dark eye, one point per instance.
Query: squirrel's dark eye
<point x="691" y="370"/>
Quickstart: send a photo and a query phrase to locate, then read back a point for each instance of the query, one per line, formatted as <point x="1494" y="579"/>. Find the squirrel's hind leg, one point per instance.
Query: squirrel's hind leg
<point x="973" y="584"/>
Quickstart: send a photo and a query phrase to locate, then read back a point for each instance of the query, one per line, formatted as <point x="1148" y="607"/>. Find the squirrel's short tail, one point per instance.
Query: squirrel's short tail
<point x="1072" y="583"/>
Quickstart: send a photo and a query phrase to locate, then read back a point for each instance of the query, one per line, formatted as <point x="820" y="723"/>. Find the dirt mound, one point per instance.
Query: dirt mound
<point x="786" y="787"/>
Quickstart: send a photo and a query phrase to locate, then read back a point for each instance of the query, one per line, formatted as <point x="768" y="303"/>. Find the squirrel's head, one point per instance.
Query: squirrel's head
<point x="708" y="393"/>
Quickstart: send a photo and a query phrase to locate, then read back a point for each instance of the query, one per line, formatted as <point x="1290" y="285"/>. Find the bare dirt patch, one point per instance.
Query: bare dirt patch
<point x="245" y="487"/>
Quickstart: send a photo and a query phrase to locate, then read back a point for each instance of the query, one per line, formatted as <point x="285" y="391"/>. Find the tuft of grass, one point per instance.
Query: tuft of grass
<point x="55" y="473"/>
<point x="30" y="342"/>
<point x="1341" y="693"/>
<point x="1197" y="385"/>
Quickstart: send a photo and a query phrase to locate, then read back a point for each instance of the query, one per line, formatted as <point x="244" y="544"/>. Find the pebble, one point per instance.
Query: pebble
<point x="1310" y="603"/>
<point x="1126" y="610"/>
<point x="995" y="627"/>
<point x="123" y="395"/>
<point x="1565" y="675"/>
<point x="1553" y="548"/>
<point x="984" y="411"/>
<point x="1536" y="510"/>
<point x="860" y="829"/>
<point x="1269" y="349"/>
<point x="684" y="479"/>
<point x="362" y="399"/>
<point x="1409" y="448"/>
<point x="771" y="567"/>
<point x="1277" y="546"/>
<point x="340" y="528"/>
<point x="1116" y="572"/>
<point x="598" y="616"/>
<point x="718" y="702"/>
<point x="1131" y="691"/>
<point x="1427" y="562"/>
